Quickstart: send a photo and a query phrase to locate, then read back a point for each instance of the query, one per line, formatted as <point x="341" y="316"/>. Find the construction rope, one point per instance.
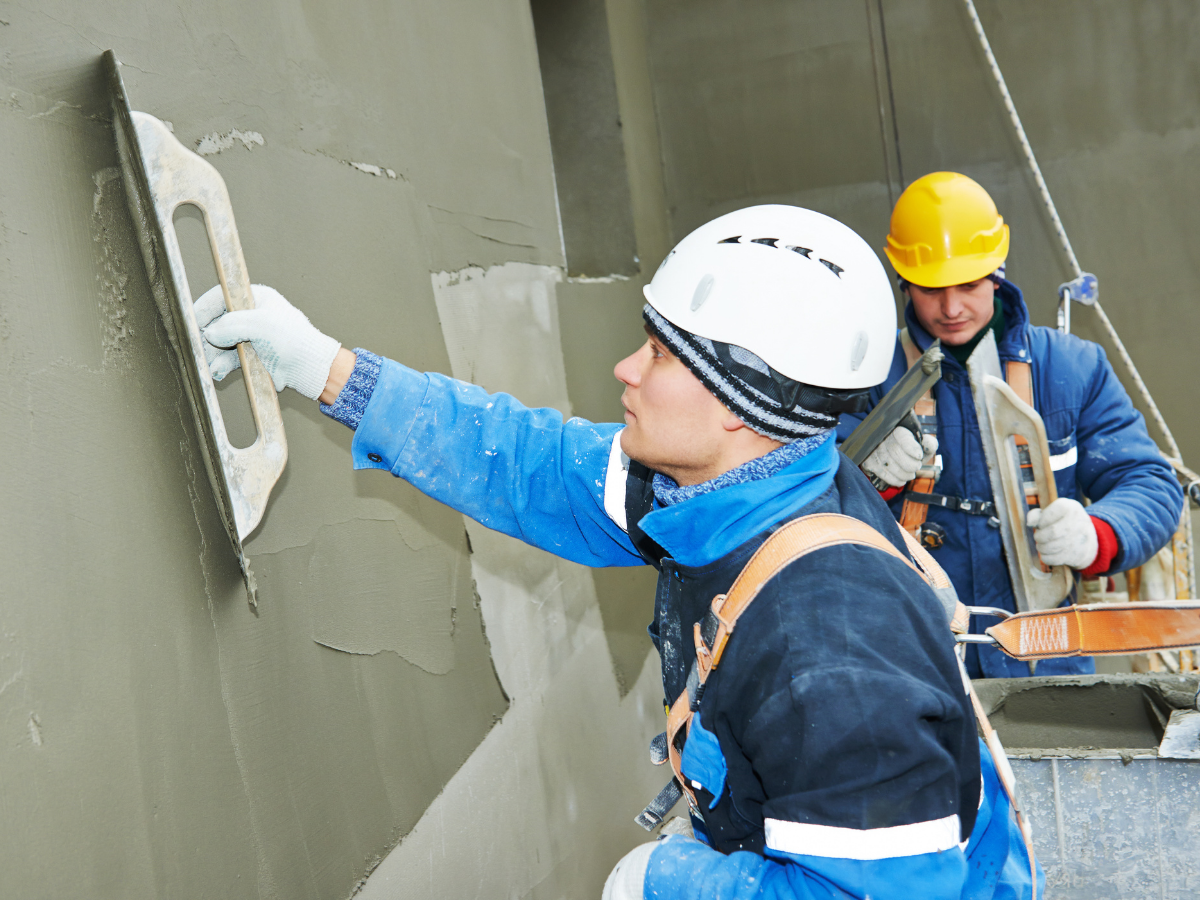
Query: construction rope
<point x="1047" y="200"/>
<point x="1174" y="454"/>
<point x="1065" y="241"/>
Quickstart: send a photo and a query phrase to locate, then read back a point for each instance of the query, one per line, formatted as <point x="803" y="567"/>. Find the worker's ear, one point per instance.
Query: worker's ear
<point x="732" y="423"/>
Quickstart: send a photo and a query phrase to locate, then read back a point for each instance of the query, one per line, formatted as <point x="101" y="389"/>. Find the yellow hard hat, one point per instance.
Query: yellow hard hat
<point x="946" y="230"/>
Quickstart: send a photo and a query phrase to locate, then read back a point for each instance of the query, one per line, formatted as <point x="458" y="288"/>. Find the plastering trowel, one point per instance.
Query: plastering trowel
<point x="160" y="176"/>
<point x="896" y="408"/>
<point x="1017" y="473"/>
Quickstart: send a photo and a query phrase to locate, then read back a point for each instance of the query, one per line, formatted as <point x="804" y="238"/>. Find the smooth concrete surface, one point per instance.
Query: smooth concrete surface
<point x="583" y="113"/>
<point x="601" y="322"/>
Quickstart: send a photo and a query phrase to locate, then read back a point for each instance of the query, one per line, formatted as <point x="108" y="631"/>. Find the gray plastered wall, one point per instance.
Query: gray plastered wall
<point x="160" y="738"/>
<point x="414" y="685"/>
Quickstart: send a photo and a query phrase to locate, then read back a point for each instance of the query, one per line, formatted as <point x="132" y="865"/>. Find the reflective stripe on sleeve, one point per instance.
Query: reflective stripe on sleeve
<point x="615" y="483"/>
<point x="829" y="841"/>
<point x="1060" y="461"/>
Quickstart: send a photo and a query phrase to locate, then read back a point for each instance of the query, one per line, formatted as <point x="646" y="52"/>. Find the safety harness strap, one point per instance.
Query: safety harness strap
<point x="958" y="504"/>
<point x="918" y="495"/>
<point x="654" y="813"/>
<point x="1108" y="629"/>
<point x="794" y="540"/>
<point x="1019" y="376"/>
<point x="912" y="514"/>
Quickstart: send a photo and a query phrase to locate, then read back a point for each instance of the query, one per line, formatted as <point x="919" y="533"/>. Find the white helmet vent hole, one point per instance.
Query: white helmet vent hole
<point x="703" y="289"/>
<point x="859" y="351"/>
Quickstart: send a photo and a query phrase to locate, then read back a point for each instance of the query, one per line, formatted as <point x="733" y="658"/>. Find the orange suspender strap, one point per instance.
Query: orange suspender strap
<point x="1019" y="376"/>
<point x="912" y="515"/>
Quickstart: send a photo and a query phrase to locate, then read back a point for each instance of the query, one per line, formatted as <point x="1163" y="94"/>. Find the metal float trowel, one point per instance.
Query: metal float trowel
<point x="1020" y="475"/>
<point x="161" y="175"/>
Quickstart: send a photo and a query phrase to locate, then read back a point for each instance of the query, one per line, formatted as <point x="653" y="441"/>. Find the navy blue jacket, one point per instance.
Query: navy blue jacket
<point x="834" y="745"/>
<point x="1099" y="447"/>
<point x="806" y="676"/>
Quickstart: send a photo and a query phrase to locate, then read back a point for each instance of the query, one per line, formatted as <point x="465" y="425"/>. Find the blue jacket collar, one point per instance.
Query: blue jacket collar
<point x="1015" y="342"/>
<point x="700" y="530"/>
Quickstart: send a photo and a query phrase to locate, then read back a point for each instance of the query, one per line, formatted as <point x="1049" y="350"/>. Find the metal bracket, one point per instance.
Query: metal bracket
<point x="160" y="176"/>
<point x="1085" y="289"/>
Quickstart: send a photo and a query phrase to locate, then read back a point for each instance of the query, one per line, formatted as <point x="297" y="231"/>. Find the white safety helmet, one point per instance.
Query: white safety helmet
<point x="798" y="289"/>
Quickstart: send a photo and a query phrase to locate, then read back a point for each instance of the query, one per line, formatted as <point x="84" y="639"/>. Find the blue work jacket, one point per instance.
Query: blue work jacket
<point x="816" y="726"/>
<point x="1099" y="450"/>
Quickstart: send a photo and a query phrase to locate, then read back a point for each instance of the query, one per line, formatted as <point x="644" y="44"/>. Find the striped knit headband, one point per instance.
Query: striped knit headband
<point x="726" y="370"/>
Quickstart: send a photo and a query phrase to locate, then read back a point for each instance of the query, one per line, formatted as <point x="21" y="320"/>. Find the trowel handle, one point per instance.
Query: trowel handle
<point x="268" y="453"/>
<point x="1010" y="417"/>
<point x="912" y="424"/>
<point x="1014" y="418"/>
<point x="235" y="283"/>
<point x="178" y="177"/>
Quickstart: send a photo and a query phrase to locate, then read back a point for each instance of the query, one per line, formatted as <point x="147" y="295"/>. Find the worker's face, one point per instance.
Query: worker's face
<point x="954" y="314"/>
<point x="673" y="423"/>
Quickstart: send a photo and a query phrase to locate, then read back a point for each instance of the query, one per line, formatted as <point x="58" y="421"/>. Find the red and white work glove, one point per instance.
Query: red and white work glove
<point x="896" y="461"/>
<point x="1065" y="534"/>
<point x="295" y="353"/>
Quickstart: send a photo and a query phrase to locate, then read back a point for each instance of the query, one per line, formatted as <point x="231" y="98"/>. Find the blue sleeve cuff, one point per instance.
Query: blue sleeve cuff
<point x="387" y="419"/>
<point x="352" y="402"/>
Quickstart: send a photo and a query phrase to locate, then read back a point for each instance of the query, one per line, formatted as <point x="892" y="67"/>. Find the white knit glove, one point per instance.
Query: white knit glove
<point x="295" y="353"/>
<point x="1064" y="534"/>
<point x="628" y="877"/>
<point x="895" y="461"/>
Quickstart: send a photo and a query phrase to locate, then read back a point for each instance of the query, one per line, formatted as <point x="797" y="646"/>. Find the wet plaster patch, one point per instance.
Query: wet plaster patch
<point x="110" y="220"/>
<point x="372" y="594"/>
<point x="214" y="143"/>
<point x="143" y="660"/>
<point x="371" y="169"/>
<point x="504" y="232"/>
<point x="1080" y="715"/>
<point x="186" y="745"/>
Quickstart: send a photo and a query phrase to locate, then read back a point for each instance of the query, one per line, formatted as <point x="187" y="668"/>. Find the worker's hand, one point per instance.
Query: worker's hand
<point x="895" y="461"/>
<point x="295" y="353"/>
<point x="1064" y="534"/>
<point x="627" y="879"/>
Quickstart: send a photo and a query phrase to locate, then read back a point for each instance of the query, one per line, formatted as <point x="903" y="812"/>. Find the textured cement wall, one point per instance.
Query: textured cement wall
<point x="415" y="686"/>
<point x="391" y="172"/>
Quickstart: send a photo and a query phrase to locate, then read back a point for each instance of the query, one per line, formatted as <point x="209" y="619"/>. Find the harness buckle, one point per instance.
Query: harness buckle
<point x="931" y="535"/>
<point x="703" y="655"/>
